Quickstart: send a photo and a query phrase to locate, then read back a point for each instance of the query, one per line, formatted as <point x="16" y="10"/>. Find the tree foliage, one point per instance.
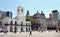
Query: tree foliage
<point x="30" y="19"/>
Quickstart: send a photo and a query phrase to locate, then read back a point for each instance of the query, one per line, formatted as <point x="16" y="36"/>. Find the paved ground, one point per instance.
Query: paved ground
<point x="34" y="34"/>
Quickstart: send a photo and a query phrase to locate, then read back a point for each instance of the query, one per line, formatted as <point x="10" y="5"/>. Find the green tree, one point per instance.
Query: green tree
<point x="30" y="19"/>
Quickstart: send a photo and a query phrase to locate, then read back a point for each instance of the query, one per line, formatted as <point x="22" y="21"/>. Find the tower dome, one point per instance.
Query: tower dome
<point x="20" y="6"/>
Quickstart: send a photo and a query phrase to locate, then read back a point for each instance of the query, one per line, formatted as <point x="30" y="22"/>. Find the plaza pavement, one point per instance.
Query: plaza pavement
<point x="34" y="34"/>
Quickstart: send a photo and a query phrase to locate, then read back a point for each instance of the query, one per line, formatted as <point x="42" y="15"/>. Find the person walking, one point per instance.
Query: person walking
<point x="30" y="33"/>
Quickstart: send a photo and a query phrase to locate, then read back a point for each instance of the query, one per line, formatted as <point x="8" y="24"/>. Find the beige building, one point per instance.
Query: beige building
<point x="43" y="23"/>
<point x="40" y="21"/>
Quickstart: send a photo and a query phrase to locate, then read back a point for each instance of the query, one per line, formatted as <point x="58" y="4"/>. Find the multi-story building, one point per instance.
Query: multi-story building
<point x="9" y="14"/>
<point x="3" y="15"/>
<point x="43" y="23"/>
<point x="17" y="24"/>
<point x="53" y="20"/>
<point x="40" y="21"/>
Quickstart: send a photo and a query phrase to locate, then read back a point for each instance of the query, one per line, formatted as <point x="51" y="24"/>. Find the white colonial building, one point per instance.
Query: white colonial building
<point x="18" y="24"/>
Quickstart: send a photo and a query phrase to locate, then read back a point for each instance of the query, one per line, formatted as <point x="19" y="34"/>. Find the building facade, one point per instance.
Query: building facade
<point x="40" y="21"/>
<point x="9" y="14"/>
<point x="53" y="19"/>
<point x="43" y="23"/>
<point x="17" y="24"/>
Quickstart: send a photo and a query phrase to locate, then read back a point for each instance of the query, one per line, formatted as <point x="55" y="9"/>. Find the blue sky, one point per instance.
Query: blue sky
<point x="32" y="5"/>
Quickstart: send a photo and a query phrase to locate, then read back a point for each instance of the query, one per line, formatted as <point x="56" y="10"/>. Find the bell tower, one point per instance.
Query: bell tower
<point x="20" y="10"/>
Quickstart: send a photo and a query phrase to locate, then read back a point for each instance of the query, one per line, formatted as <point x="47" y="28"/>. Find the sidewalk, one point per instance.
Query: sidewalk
<point x="34" y="34"/>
